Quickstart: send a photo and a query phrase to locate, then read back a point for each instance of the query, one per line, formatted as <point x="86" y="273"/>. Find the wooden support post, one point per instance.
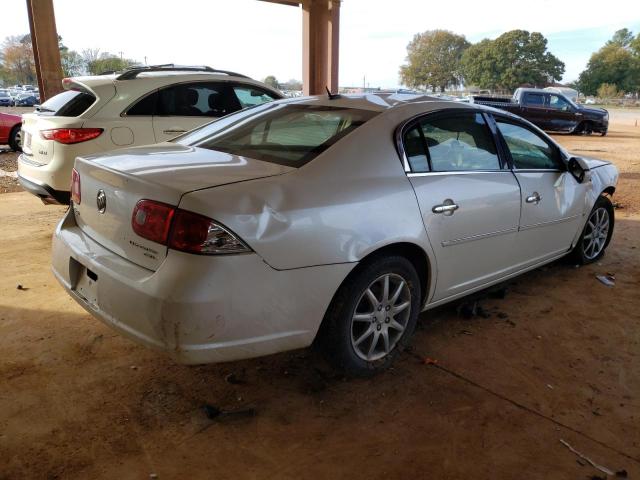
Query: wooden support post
<point x="44" y="37"/>
<point x="320" y="45"/>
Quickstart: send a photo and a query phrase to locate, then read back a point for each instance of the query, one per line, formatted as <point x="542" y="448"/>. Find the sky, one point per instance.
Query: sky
<point x="259" y="39"/>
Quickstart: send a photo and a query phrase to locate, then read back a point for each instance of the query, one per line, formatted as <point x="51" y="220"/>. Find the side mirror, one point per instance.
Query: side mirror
<point x="579" y="169"/>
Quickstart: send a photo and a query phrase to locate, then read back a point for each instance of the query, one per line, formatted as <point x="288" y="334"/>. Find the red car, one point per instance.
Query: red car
<point x="10" y="130"/>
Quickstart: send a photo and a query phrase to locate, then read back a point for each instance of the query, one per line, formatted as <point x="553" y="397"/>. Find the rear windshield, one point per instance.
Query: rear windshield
<point x="286" y="134"/>
<point x="69" y="103"/>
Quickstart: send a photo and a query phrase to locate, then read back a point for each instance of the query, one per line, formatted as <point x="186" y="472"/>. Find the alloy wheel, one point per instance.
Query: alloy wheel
<point x="596" y="233"/>
<point x="380" y="317"/>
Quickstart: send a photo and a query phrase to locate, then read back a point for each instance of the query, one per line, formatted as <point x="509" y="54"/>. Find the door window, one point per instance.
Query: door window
<point x="534" y="99"/>
<point x="202" y="99"/>
<point x="251" y="96"/>
<point x="558" y="103"/>
<point x="528" y="149"/>
<point x="415" y="151"/>
<point x="459" y="141"/>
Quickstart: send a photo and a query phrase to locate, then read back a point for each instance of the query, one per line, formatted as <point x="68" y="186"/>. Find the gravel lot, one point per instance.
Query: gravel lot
<point x="556" y="357"/>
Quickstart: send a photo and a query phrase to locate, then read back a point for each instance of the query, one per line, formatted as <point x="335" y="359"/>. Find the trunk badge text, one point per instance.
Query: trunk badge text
<point x="101" y="201"/>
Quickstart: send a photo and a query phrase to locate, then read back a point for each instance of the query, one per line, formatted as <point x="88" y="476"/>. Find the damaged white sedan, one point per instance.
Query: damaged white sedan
<point x="338" y="219"/>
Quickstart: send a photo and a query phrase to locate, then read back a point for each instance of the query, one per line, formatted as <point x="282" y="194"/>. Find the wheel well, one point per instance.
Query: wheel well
<point x="608" y="191"/>
<point x="411" y="252"/>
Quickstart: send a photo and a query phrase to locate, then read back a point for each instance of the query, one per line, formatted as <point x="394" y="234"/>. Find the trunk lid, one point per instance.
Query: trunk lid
<point x="163" y="173"/>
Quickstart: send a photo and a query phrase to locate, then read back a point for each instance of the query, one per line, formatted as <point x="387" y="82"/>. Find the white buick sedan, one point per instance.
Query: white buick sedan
<point x="331" y="218"/>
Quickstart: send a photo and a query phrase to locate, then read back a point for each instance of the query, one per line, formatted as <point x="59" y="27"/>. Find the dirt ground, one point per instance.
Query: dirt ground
<point x="557" y="358"/>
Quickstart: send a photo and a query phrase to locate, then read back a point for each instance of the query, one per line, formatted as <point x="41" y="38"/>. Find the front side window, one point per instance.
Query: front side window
<point x="529" y="150"/>
<point x="250" y="96"/>
<point x="461" y="141"/>
<point x="558" y="103"/>
<point x="286" y="134"/>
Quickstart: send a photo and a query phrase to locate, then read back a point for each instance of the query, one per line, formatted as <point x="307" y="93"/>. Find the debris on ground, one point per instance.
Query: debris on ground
<point x="429" y="361"/>
<point x="153" y="476"/>
<point x="617" y="205"/>
<point x="502" y="315"/>
<point x="465" y="332"/>
<point x="212" y="412"/>
<point x="588" y="460"/>
<point x="20" y="287"/>
<point x="608" y="280"/>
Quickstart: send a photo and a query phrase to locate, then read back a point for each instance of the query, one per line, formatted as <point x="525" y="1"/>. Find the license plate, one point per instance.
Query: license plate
<point x="87" y="286"/>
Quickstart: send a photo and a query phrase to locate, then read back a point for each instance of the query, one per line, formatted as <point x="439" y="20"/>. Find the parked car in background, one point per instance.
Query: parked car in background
<point x="25" y="100"/>
<point x="140" y="106"/>
<point x="5" y="98"/>
<point x="332" y="218"/>
<point x="10" y="130"/>
<point x="550" y="111"/>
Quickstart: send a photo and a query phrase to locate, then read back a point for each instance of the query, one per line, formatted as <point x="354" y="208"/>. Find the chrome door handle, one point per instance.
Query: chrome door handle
<point x="169" y="132"/>
<point x="447" y="207"/>
<point x="535" y="198"/>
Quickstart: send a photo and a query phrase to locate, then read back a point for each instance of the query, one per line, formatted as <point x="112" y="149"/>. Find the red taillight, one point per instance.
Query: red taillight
<point x="75" y="187"/>
<point x="70" y="136"/>
<point x="152" y="220"/>
<point x="183" y="230"/>
<point x="189" y="232"/>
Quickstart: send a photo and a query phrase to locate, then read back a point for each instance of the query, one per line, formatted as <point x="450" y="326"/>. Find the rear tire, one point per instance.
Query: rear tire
<point x="596" y="235"/>
<point x="372" y="316"/>
<point x="14" y="139"/>
<point x="587" y="128"/>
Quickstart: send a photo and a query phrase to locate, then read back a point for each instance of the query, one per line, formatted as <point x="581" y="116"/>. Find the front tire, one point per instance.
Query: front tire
<point x="596" y="234"/>
<point x="15" y="140"/>
<point x="372" y="316"/>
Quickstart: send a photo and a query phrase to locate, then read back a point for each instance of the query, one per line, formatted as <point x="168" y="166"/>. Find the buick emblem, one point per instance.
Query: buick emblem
<point x="101" y="201"/>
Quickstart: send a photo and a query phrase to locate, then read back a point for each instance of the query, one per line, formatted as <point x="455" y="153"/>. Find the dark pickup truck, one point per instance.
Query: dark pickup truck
<point x="550" y="111"/>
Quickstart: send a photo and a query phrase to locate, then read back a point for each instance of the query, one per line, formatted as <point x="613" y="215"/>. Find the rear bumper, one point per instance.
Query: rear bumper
<point x="45" y="180"/>
<point x="198" y="309"/>
<point x="45" y="192"/>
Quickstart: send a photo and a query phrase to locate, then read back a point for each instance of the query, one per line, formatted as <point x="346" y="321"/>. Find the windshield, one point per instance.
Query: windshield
<point x="285" y="133"/>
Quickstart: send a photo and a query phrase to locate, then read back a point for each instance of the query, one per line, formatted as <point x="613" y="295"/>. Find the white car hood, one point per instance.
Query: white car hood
<point x="183" y="169"/>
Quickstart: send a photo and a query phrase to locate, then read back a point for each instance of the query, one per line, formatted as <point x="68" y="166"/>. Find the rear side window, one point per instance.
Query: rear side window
<point x="250" y="97"/>
<point x="460" y="141"/>
<point x="535" y="99"/>
<point x="529" y="150"/>
<point x="70" y="103"/>
<point x="286" y="134"/>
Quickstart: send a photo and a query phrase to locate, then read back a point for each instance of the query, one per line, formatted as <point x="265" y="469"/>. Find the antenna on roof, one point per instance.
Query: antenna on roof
<point x="332" y="96"/>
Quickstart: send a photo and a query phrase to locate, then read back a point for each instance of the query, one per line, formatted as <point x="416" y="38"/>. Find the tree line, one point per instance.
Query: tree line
<point x="17" y="65"/>
<point x="440" y="59"/>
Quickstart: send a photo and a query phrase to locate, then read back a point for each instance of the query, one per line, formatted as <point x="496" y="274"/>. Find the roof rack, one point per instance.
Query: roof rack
<point x="133" y="72"/>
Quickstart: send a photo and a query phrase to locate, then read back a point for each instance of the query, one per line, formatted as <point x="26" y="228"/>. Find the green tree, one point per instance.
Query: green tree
<point x="607" y="90"/>
<point x="513" y="59"/>
<point x="271" y="81"/>
<point x="433" y="60"/>
<point x="107" y="62"/>
<point x="616" y="63"/>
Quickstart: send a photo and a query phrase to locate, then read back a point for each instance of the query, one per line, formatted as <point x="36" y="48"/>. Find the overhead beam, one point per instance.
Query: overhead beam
<point x="44" y="38"/>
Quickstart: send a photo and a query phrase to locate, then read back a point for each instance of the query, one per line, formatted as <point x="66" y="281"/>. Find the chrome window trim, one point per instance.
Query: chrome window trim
<point x="456" y="172"/>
